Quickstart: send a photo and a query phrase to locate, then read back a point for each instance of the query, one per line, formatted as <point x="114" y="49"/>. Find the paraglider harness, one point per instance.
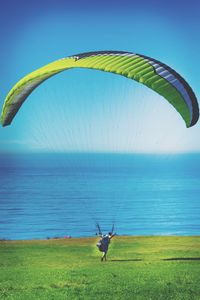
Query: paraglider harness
<point x="104" y="240"/>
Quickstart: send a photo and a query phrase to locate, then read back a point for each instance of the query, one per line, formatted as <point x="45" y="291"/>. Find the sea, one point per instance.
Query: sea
<point x="61" y="195"/>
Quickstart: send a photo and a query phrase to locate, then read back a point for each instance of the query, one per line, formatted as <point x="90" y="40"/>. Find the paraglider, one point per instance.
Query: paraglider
<point x="104" y="242"/>
<point x="148" y="71"/>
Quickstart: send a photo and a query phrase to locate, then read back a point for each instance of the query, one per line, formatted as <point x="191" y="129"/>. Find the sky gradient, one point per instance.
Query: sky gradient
<point x="84" y="110"/>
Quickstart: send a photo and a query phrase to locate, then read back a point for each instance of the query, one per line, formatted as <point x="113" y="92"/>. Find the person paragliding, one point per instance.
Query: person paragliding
<point x="104" y="242"/>
<point x="148" y="71"/>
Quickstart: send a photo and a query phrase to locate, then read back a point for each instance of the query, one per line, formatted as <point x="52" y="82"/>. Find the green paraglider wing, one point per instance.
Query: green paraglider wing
<point x="148" y="71"/>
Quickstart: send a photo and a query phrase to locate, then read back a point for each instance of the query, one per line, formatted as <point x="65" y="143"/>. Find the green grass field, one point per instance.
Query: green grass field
<point x="137" y="268"/>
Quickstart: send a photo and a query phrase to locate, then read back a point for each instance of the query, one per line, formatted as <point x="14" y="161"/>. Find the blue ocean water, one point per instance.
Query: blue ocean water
<point x="56" y="195"/>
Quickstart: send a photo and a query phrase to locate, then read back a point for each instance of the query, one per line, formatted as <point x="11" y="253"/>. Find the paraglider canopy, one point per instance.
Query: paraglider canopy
<point x="148" y="71"/>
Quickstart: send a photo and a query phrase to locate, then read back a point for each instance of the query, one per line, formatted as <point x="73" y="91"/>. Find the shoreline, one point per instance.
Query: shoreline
<point x="97" y="237"/>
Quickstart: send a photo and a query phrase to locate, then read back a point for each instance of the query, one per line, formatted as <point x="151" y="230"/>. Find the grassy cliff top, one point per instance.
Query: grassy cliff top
<point x="137" y="268"/>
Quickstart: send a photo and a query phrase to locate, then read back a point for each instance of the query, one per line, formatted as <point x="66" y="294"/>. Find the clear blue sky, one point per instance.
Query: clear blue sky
<point x="82" y="110"/>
